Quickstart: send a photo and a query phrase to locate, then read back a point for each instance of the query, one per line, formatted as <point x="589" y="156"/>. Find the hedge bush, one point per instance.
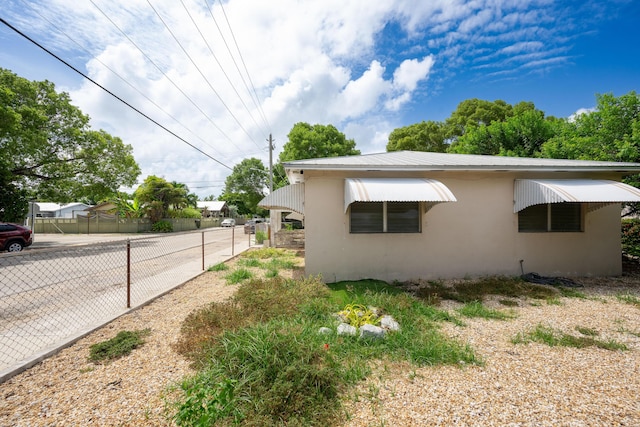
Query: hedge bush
<point x="631" y="236"/>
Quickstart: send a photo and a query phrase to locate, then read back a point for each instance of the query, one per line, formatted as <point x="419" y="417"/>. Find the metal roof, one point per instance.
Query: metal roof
<point x="395" y="190"/>
<point x="288" y="198"/>
<point x="528" y="192"/>
<point x="214" y="206"/>
<point x="427" y="161"/>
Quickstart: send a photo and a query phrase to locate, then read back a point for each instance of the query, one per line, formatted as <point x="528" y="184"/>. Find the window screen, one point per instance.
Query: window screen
<point x="566" y="217"/>
<point x="367" y="217"/>
<point x="403" y="217"/>
<point x="556" y="217"/>
<point x="533" y="218"/>
<point x="385" y="217"/>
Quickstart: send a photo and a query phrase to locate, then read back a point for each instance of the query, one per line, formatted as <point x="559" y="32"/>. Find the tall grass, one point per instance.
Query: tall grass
<point x="265" y="358"/>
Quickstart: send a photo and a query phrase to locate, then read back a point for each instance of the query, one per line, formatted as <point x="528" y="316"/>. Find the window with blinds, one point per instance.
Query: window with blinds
<point x="551" y="217"/>
<point x="385" y="217"/>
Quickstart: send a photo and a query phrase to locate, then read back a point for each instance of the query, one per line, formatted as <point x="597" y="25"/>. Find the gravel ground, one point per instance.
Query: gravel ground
<point x="518" y="385"/>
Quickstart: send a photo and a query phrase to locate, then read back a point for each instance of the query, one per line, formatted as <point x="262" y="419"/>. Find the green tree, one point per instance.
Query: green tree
<point x="128" y="207"/>
<point x="310" y="142"/>
<point x="472" y="113"/>
<point x="14" y="203"/>
<point x="610" y="132"/>
<point x="48" y="147"/>
<point x="520" y="135"/>
<point x="191" y="199"/>
<point x="307" y="141"/>
<point x="423" y="136"/>
<point x="157" y="196"/>
<point x="246" y="186"/>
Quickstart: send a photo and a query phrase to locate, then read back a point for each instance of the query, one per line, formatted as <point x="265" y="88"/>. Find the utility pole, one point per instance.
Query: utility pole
<point x="271" y="147"/>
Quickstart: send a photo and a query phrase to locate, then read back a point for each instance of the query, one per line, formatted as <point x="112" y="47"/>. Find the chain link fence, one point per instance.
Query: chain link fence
<point x="50" y="297"/>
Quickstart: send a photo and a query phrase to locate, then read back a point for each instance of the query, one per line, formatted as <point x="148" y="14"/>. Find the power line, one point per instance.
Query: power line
<point x="204" y="39"/>
<point x="256" y="100"/>
<point x="201" y="73"/>
<point x="166" y="76"/>
<point x="111" y="93"/>
<point x="120" y="77"/>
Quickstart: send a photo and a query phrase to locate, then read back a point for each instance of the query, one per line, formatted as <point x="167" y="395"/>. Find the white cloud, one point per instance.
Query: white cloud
<point x="315" y="61"/>
<point x="579" y="112"/>
<point x="412" y="71"/>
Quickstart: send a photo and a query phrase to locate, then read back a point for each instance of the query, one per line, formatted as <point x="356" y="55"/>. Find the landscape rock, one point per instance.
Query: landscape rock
<point x="325" y="331"/>
<point x="371" y="331"/>
<point x="346" y="329"/>
<point x="389" y="323"/>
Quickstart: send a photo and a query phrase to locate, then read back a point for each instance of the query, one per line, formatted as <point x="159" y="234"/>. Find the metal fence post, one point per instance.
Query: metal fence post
<point x="233" y="244"/>
<point x="128" y="273"/>
<point x="203" y="251"/>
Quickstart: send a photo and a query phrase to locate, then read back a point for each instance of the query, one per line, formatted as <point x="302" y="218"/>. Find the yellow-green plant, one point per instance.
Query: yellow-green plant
<point x="357" y="315"/>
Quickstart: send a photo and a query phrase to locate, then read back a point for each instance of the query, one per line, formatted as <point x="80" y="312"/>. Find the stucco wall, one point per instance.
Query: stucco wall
<point x="475" y="236"/>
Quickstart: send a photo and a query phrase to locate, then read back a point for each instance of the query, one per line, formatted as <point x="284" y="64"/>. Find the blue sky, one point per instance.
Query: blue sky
<point x="365" y="67"/>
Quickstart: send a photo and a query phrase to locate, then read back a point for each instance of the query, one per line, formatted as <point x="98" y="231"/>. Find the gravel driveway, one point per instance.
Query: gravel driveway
<point x="518" y="384"/>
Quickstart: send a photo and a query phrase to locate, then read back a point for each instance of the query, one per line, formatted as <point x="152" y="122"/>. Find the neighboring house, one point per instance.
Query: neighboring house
<point x="57" y="210"/>
<point x="409" y="215"/>
<point x="213" y="209"/>
<point x="104" y="207"/>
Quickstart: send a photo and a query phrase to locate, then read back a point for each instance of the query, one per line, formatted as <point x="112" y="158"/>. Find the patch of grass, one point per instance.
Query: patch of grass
<point x="249" y="262"/>
<point x="271" y="273"/>
<point x="266" y="364"/>
<point x="587" y="331"/>
<point x="629" y="299"/>
<point x="553" y="301"/>
<point x="238" y="275"/>
<point x="218" y="267"/>
<point x="624" y="330"/>
<point x="508" y="302"/>
<point x="265" y="253"/>
<point x="120" y="345"/>
<point x="351" y="291"/>
<point x="477" y="289"/>
<point x="546" y="335"/>
<point x="571" y="293"/>
<point x="284" y="263"/>
<point x="255" y="301"/>
<point x="477" y="309"/>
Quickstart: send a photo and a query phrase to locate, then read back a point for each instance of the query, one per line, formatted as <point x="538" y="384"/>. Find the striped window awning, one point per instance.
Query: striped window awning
<point x="395" y="190"/>
<point x="596" y="192"/>
<point x="288" y="198"/>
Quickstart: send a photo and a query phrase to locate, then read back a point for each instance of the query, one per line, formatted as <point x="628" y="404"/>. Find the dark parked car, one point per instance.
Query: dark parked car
<point x="14" y="237"/>
<point x="250" y="226"/>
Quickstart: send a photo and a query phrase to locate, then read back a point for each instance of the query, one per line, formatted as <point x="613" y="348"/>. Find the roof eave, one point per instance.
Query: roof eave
<point x="443" y="168"/>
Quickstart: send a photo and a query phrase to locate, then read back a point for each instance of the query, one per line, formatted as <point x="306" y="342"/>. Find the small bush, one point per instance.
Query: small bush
<point x="261" y="236"/>
<point x="237" y="276"/>
<point x="271" y="273"/>
<point x="218" y="267"/>
<point x="185" y="213"/>
<point x="118" y="346"/>
<point x="162" y="226"/>
<point x="249" y="262"/>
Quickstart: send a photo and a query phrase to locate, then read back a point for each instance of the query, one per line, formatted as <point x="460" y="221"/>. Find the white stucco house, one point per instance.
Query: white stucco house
<point x="407" y="215"/>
